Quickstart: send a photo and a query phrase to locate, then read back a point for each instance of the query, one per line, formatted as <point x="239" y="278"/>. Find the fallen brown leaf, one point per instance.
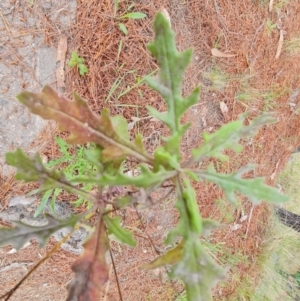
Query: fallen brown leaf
<point x="91" y="271"/>
<point x="217" y="53"/>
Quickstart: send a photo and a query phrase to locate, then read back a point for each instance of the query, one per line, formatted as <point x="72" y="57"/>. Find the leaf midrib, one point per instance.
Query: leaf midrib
<point x="123" y="144"/>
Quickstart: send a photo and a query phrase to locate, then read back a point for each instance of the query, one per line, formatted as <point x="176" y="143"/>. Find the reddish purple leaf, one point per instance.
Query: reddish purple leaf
<point x="91" y="271"/>
<point x="85" y="126"/>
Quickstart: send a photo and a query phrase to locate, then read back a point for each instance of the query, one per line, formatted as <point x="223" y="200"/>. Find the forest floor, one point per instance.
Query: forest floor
<point x="256" y="70"/>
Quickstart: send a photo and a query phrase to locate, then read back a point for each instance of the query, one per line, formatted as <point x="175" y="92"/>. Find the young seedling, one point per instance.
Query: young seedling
<point x="281" y="4"/>
<point x="129" y="15"/>
<point x="77" y="61"/>
<point x="293" y="46"/>
<point x="270" y="26"/>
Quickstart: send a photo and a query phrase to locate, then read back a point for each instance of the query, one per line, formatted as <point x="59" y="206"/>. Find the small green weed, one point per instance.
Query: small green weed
<point x="73" y="163"/>
<point x="293" y="46"/>
<point x="252" y="95"/>
<point x="271" y="95"/>
<point x="226" y="210"/>
<point x="263" y="2"/>
<point x="117" y="83"/>
<point x="270" y="26"/>
<point x="139" y="82"/>
<point x="281" y="4"/>
<point x="218" y="79"/>
<point x="217" y="42"/>
<point x="224" y="254"/>
<point x="182" y="297"/>
<point x="77" y="61"/>
<point x="127" y="15"/>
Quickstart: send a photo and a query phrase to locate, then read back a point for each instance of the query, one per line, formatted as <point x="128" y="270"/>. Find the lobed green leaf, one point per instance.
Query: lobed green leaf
<point x="22" y="233"/>
<point x="190" y="221"/>
<point x="83" y="69"/>
<point x="163" y="158"/>
<point x="197" y="270"/>
<point x="74" y="59"/>
<point x="114" y="227"/>
<point x="192" y="265"/>
<point x="168" y="82"/>
<point x="170" y="257"/>
<point x="146" y="178"/>
<point x="228" y="137"/>
<point x="33" y="170"/>
<point x="254" y="189"/>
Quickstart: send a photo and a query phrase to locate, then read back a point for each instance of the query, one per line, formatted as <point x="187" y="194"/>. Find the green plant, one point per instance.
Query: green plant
<point x="226" y="210"/>
<point x="268" y="97"/>
<point x="281" y="4"/>
<point x="181" y="297"/>
<point x="271" y="95"/>
<point x="293" y="46"/>
<point x="217" y="41"/>
<point x="77" y="61"/>
<point x="186" y="255"/>
<point x="218" y="80"/>
<point x="128" y="15"/>
<point x="118" y="81"/>
<point x="72" y="162"/>
<point x="270" y="26"/>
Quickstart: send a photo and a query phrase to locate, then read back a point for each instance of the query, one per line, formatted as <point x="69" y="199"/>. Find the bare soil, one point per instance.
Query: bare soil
<point x="237" y="28"/>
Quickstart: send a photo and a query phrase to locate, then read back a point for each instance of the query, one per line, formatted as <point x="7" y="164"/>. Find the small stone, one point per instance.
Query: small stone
<point x="44" y="159"/>
<point x="47" y="4"/>
<point x="21" y="200"/>
<point x="12" y="251"/>
<point x="156" y="272"/>
<point x="236" y="227"/>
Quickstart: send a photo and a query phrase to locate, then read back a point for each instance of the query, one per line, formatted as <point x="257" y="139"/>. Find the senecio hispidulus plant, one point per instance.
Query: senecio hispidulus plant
<point x="188" y="261"/>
